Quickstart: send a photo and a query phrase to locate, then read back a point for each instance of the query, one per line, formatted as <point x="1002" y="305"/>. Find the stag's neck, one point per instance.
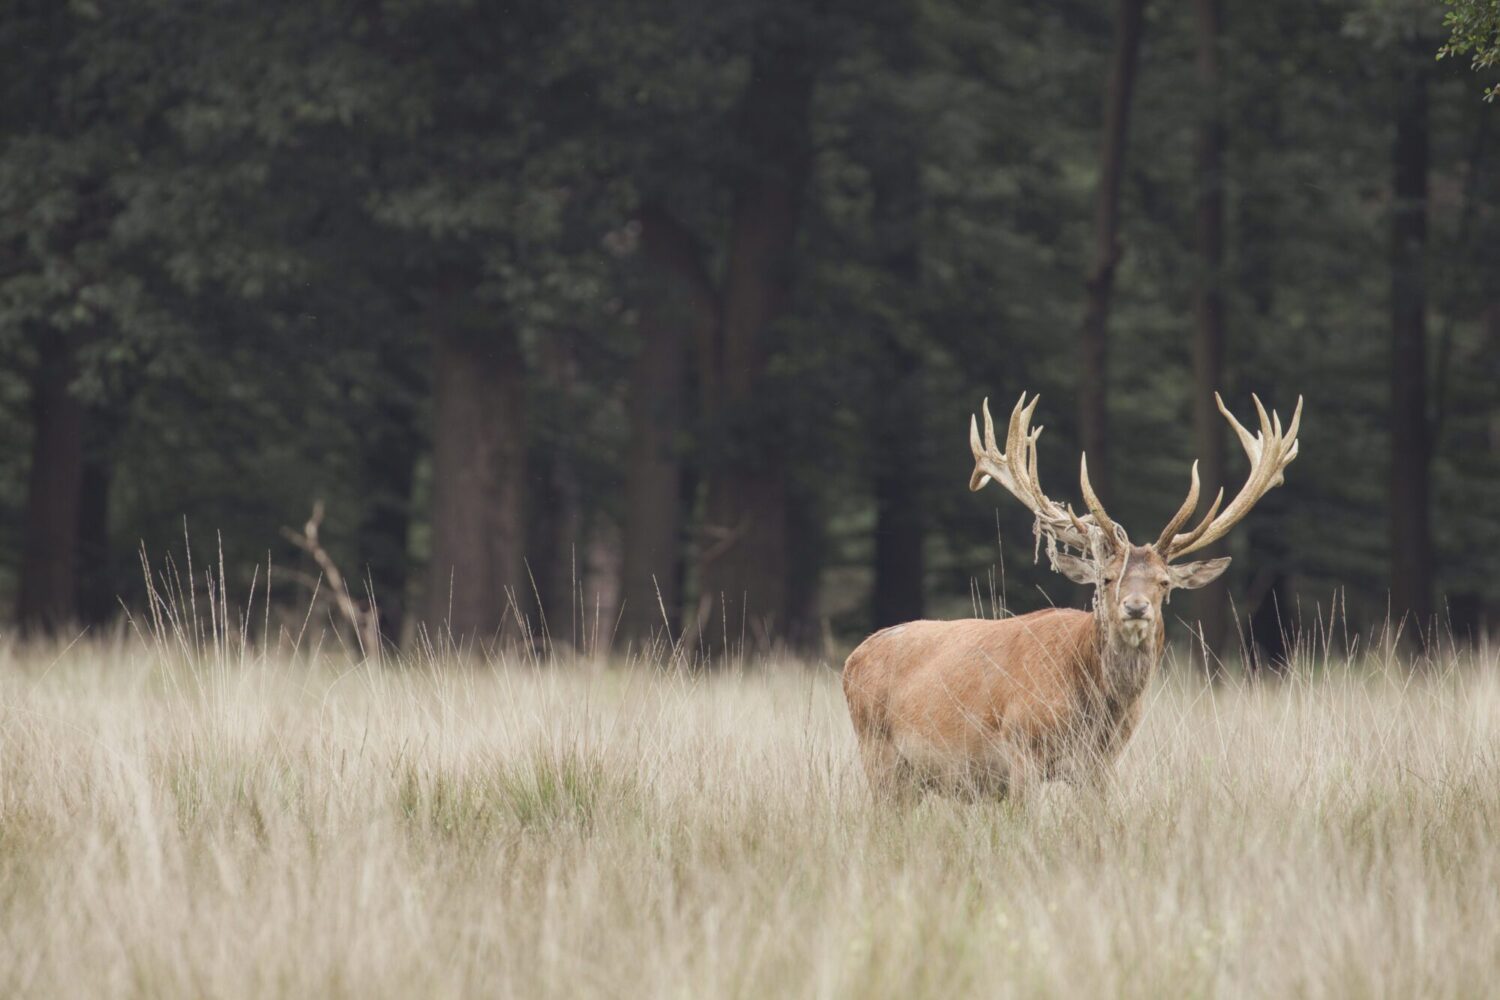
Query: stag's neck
<point x="1125" y="668"/>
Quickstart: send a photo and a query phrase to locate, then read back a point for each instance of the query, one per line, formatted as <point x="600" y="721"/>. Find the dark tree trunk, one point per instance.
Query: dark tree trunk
<point x="806" y="544"/>
<point x="678" y="309"/>
<point x="1268" y="602"/>
<point x="1410" y="524"/>
<point x="1469" y="613"/>
<point x="1268" y="597"/>
<point x="744" y="559"/>
<point x="1212" y="602"/>
<point x="1092" y="414"/>
<point x="389" y="469"/>
<point x="1271" y="624"/>
<point x="557" y="547"/>
<point x="1489" y="612"/>
<point x="479" y="457"/>
<point x="50" y="547"/>
<point x="97" y="590"/>
<point x="900" y="566"/>
<point x="897" y="408"/>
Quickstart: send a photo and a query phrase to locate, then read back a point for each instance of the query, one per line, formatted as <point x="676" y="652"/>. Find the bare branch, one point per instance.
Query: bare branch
<point x="365" y="623"/>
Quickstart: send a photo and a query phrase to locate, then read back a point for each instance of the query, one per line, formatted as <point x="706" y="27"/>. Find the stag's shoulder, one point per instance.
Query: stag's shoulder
<point x="1052" y="619"/>
<point x="1056" y="630"/>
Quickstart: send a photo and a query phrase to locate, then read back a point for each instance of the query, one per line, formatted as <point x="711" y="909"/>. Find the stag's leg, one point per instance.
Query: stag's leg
<point x="1093" y="769"/>
<point x="1022" y="779"/>
<point x="889" y="775"/>
<point x="987" y="776"/>
<point x="1004" y="771"/>
<point x="1095" y="779"/>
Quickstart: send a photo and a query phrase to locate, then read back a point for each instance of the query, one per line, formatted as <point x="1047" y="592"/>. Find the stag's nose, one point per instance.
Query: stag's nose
<point x="1136" y="608"/>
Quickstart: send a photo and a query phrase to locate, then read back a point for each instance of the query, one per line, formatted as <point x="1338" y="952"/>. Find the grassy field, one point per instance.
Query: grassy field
<point x="207" y="822"/>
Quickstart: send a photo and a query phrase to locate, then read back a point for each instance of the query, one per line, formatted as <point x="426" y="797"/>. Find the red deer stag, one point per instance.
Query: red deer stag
<point x="987" y="706"/>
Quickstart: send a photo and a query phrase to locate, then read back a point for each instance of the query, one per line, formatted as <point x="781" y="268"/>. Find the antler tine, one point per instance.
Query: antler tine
<point x="988" y="462"/>
<point x="1023" y="458"/>
<point x="1016" y="470"/>
<point x="1197" y="533"/>
<point x="1092" y="500"/>
<point x="1015" y="430"/>
<point x="1289" y="449"/>
<point x="1032" y="479"/>
<point x="1020" y="450"/>
<point x="1270" y="451"/>
<point x="1291" y="433"/>
<point x="1247" y="440"/>
<point x="1078" y="524"/>
<point x="1183" y="513"/>
<point x="979" y="478"/>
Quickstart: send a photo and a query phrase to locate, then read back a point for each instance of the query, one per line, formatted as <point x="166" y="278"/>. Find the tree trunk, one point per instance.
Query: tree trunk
<point x="677" y="309"/>
<point x="897" y="406"/>
<point x="389" y="469"/>
<point x="900" y="565"/>
<point x="1410" y="524"/>
<point x="49" y="558"/>
<point x="896" y="411"/>
<point x="97" y="591"/>
<point x="744" y="559"/>
<point x="479" y="456"/>
<point x="602" y="569"/>
<point x="1268" y="604"/>
<point x="807" y="542"/>
<point x="556" y="543"/>
<point x="1212" y="602"/>
<point x="1489" y="610"/>
<point x="1272" y="623"/>
<point x="1092" y="416"/>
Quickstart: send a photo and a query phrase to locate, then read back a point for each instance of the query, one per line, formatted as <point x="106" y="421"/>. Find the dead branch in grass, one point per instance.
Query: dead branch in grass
<point x="364" y="621"/>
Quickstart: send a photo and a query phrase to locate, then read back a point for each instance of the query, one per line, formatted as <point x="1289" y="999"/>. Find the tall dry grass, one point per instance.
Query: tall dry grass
<point x="181" y="815"/>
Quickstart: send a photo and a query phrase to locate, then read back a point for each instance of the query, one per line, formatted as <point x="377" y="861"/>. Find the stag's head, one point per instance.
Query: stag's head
<point x="1131" y="581"/>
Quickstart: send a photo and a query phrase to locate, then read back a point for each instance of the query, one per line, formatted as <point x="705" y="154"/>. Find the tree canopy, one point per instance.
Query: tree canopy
<point x="1474" y="27"/>
<point x="659" y="318"/>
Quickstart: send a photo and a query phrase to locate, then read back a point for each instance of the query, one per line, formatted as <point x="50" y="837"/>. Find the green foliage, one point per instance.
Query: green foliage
<point x="247" y="218"/>
<point x="1474" y="31"/>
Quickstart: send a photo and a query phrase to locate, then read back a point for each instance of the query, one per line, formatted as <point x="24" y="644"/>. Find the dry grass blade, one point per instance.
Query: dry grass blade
<point x="292" y="828"/>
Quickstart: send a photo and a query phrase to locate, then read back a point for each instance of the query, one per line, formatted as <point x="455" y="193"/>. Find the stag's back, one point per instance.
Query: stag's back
<point x="971" y="699"/>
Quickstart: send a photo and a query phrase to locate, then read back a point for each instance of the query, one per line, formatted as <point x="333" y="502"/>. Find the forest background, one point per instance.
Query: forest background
<point x="645" y="319"/>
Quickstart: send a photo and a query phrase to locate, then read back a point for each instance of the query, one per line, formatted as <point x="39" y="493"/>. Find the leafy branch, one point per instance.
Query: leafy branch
<point x="1474" y="30"/>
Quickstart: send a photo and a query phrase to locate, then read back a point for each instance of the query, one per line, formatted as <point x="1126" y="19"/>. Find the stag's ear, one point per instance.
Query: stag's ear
<point x="1191" y="576"/>
<point x="1078" y="570"/>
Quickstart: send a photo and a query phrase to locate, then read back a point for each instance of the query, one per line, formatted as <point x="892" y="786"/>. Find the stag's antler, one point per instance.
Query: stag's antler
<point x="1270" y="451"/>
<point x="1015" y="469"/>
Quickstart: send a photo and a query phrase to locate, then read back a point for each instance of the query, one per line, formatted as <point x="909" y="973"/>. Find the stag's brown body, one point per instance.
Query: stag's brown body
<point x="987" y="706"/>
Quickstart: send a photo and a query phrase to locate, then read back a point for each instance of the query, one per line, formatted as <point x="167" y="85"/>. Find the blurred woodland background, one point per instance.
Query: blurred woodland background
<point x="669" y="313"/>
